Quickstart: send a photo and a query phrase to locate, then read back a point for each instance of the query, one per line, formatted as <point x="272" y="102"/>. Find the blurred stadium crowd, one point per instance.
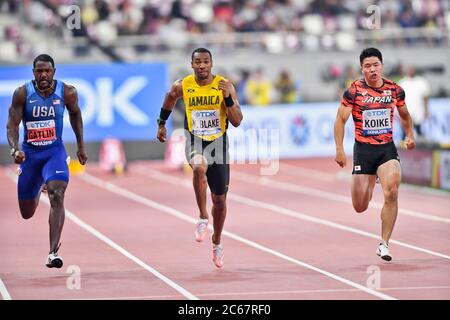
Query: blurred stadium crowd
<point x="273" y="26"/>
<point x="130" y="17"/>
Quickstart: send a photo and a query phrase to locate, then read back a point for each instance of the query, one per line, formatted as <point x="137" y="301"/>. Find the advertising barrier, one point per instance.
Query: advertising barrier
<point x="117" y="100"/>
<point x="444" y="170"/>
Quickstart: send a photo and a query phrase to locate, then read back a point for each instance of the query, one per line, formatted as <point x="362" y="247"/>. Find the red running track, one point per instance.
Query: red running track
<point x="292" y="235"/>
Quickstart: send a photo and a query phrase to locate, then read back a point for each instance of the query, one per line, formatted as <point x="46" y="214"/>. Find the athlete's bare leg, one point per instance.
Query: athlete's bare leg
<point x="56" y="190"/>
<point x="362" y="190"/>
<point x="390" y="178"/>
<point x="28" y="207"/>
<point x="219" y="212"/>
<point x="199" y="167"/>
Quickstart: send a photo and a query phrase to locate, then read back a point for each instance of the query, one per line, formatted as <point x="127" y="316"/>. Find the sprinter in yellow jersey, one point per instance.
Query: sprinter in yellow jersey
<point x="211" y="102"/>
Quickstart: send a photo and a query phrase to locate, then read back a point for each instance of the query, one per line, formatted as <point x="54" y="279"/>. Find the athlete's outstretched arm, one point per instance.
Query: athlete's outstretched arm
<point x="407" y="125"/>
<point x="339" y="129"/>
<point x="14" y="118"/>
<point x="76" y="121"/>
<point x="175" y="93"/>
<point x="234" y="112"/>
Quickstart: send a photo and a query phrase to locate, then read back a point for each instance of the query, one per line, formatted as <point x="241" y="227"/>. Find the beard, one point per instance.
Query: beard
<point x="44" y="84"/>
<point x="202" y="75"/>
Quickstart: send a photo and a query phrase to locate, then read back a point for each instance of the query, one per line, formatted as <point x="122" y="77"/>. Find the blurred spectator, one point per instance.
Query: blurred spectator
<point x="225" y="26"/>
<point x="247" y="16"/>
<point x="102" y="9"/>
<point x="350" y="74"/>
<point x="286" y="89"/>
<point x="307" y="18"/>
<point x="11" y="5"/>
<point x="259" y="89"/>
<point x="409" y="19"/>
<point x="397" y="72"/>
<point x="130" y="19"/>
<point x="241" y="86"/>
<point x="417" y="92"/>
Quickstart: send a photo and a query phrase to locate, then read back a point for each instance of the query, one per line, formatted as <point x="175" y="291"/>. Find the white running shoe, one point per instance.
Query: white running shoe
<point x="54" y="261"/>
<point x="218" y="255"/>
<point x="200" y="229"/>
<point x="383" y="252"/>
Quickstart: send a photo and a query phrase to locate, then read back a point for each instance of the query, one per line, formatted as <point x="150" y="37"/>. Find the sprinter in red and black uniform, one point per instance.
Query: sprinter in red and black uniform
<point x="372" y="102"/>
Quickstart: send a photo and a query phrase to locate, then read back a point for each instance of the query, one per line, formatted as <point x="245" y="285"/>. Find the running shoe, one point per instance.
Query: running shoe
<point x="218" y="255"/>
<point x="383" y="252"/>
<point x="200" y="229"/>
<point x="54" y="261"/>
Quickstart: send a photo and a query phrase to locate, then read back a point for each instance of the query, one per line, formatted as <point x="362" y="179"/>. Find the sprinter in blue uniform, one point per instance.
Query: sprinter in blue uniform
<point x="39" y="105"/>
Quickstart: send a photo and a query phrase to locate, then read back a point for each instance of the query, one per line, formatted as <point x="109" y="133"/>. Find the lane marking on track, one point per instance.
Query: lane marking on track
<point x="290" y="292"/>
<point x="308" y="173"/>
<point x="151" y="173"/>
<point x="291" y="187"/>
<point x="115" y="246"/>
<point x="4" y="292"/>
<point x="178" y="214"/>
<point x="347" y="176"/>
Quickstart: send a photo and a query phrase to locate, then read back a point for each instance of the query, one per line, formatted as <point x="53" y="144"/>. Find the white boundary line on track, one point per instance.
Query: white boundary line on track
<point x="4" y="292"/>
<point x="288" y="212"/>
<point x="286" y="186"/>
<point x="346" y="175"/>
<point x="155" y="205"/>
<point x="115" y="246"/>
<point x="308" y="173"/>
<point x="219" y="294"/>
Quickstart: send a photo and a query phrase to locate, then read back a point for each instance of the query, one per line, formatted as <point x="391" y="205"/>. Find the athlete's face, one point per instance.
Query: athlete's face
<point x="43" y="74"/>
<point x="372" y="69"/>
<point x="202" y="64"/>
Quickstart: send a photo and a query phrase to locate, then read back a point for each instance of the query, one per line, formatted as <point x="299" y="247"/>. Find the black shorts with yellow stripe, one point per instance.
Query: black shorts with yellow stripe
<point x="218" y="159"/>
<point x="368" y="157"/>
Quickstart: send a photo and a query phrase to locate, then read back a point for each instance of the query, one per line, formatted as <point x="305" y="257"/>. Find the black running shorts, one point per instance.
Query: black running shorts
<point x="368" y="157"/>
<point x="217" y="156"/>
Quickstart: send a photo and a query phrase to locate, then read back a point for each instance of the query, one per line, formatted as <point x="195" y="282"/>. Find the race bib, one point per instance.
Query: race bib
<point x="40" y="133"/>
<point x="376" y="121"/>
<point x="206" y="122"/>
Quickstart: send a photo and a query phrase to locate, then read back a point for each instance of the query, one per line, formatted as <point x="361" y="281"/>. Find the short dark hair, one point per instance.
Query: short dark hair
<point x="201" y="50"/>
<point x="43" y="57"/>
<point x="370" y="52"/>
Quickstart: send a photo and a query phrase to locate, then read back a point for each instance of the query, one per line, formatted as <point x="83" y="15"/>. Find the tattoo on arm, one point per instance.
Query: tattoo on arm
<point x="15" y="116"/>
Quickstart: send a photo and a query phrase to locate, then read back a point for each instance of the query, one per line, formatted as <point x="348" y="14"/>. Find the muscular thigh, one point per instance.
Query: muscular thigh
<point x="30" y="177"/>
<point x="362" y="185"/>
<point x="390" y="173"/>
<point x="218" y="176"/>
<point x="56" y="167"/>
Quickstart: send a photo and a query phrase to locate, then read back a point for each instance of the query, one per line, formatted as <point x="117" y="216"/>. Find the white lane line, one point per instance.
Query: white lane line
<point x="117" y="247"/>
<point x="308" y="173"/>
<point x="287" y="212"/>
<point x="155" y="205"/>
<point x="4" y="292"/>
<point x="281" y="292"/>
<point x="347" y="176"/>
<point x="286" y="186"/>
<point x="428" y="190"/>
